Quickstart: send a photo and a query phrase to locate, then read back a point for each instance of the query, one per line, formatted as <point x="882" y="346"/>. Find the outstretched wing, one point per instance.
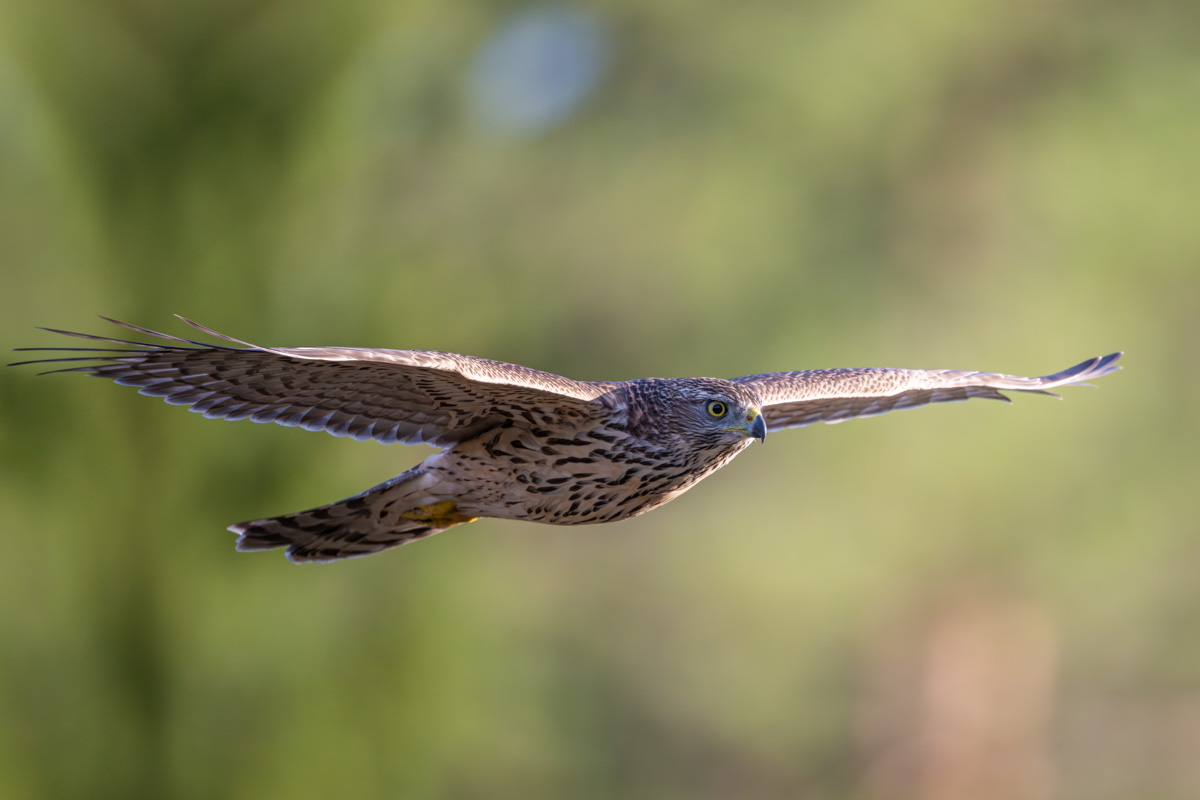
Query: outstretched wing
<point x="796" y="399"/>
<point x="407" y="396"/>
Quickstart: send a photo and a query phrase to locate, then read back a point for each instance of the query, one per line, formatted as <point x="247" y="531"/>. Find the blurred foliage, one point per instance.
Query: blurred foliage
<point x="966" y="601"/>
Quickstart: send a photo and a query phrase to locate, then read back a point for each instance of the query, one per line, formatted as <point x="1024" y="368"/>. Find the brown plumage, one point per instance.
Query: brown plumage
<point x="517" y="443"/>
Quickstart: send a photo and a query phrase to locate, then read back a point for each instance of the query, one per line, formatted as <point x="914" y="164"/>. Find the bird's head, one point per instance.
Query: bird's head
<point x="707" y="413"/>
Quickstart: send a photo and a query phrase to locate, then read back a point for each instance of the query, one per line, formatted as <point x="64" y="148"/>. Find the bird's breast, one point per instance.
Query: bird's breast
<point x="576" y="477"/>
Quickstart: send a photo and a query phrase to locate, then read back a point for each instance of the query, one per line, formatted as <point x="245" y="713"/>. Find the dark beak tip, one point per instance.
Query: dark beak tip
<point x="758" y="428"/>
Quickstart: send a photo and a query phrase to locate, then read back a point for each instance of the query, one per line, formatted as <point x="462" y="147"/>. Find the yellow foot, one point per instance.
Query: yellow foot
<point x="438" y="515"/>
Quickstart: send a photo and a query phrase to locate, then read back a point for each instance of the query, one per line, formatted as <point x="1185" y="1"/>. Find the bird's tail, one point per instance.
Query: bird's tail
<point x="393" y="513"/>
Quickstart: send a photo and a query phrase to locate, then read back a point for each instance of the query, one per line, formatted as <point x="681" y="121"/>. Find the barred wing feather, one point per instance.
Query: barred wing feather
<point x="406" y="396"/>
<point x="796" y="399"/>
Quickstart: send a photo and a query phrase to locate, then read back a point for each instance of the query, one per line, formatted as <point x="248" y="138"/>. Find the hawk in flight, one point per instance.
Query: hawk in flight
<point x="516" y="443"/>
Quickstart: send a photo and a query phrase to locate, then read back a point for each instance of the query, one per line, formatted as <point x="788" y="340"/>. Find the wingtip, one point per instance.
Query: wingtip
<point x="217" y="334"/>
<point x="1106" y="365"/>
<point x="1092" y="368"/>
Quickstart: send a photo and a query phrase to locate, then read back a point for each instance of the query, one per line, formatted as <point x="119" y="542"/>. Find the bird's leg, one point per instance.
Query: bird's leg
<point x="438" y="515"/>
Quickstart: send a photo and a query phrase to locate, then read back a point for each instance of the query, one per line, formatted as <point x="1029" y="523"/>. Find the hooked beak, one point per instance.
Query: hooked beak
<point x="756" y="425"/>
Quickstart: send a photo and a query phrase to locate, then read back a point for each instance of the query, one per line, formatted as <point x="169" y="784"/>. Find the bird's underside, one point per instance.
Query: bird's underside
<point x="515" y="443"/>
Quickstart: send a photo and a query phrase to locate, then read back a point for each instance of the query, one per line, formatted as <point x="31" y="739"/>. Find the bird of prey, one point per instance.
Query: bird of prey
<point x="516" y="443"/>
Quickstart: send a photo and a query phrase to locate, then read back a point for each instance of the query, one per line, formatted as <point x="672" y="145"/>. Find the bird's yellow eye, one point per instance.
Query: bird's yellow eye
<point x="717" y="409"/>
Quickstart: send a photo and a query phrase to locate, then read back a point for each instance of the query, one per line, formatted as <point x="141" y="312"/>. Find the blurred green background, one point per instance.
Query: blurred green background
<point x="966" y="601"/>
